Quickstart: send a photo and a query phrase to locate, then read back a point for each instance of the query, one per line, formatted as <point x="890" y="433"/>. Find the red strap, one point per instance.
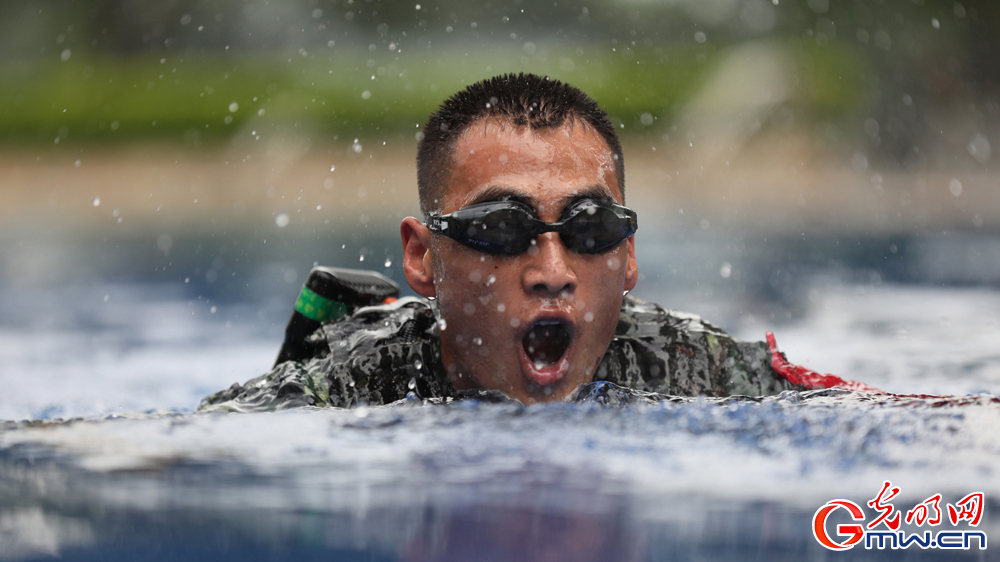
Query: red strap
<point x="796" y="374"/>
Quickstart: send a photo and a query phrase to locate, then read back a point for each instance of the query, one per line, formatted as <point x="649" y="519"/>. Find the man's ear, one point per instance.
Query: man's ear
<point x="417" y="264"/>
<point x="631" y="267"/>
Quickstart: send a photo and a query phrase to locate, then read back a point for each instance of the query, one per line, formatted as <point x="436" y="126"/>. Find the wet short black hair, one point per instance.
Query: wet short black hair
<point x="520" y="99"/>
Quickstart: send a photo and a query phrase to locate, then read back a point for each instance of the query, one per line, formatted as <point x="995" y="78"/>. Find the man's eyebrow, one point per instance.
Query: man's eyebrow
<point x="596" y="191"/>
<point x="498" y="192"/>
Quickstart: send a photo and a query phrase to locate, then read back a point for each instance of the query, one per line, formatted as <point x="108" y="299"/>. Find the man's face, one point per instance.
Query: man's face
<point x="533" y="325"/>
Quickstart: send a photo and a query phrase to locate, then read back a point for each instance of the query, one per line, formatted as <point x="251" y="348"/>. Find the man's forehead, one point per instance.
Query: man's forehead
<point x="490" y="155"/>
<point x="493" y="128"/>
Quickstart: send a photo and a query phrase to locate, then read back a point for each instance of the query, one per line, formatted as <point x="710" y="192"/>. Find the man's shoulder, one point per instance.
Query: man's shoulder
<point x="408" y="317"/>
<point x="375" y="355"/>
<point x="384" y="352"/>
<point x="638" y="316"/>
<point x="660" y="350"/>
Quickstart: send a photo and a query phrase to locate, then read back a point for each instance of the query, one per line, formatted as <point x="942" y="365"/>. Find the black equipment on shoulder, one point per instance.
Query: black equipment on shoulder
<point x="329" y="293"/>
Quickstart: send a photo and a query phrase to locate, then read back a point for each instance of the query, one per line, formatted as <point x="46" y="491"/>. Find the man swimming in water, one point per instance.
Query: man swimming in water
<point x="524" y="257"/>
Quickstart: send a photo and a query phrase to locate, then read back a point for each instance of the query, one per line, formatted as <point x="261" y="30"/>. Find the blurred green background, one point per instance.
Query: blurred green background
<point x="185" y="70"/>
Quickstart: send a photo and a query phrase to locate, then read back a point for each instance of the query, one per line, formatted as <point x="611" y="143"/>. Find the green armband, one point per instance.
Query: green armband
<point x="317" y="307"/>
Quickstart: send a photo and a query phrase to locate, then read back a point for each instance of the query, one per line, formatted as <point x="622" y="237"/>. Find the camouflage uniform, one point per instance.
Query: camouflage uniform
<point x="382" y="354"/>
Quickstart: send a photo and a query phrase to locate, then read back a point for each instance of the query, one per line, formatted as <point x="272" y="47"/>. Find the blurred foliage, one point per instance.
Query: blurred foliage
<point x="349" y="91"/>
<point x="923" y="71"/>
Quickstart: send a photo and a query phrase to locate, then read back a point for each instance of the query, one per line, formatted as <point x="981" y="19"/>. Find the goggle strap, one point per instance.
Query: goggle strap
<point x="437" y="223"/>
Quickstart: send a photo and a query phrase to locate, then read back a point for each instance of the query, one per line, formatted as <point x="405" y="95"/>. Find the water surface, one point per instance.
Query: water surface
<point x="141" y="476"/>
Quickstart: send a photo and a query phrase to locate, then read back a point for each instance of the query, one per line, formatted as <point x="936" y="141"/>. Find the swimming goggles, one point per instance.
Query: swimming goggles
<point x="588" y="226"/>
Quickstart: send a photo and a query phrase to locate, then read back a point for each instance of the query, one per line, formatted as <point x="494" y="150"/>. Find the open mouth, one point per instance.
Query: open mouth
<point x="546" y="342"/>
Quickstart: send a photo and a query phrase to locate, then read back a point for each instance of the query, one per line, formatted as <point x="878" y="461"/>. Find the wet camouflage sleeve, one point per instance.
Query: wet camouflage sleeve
<point x="375" y="356"/>
<point x="667" y="352"/>
<point x="380" y="354"/>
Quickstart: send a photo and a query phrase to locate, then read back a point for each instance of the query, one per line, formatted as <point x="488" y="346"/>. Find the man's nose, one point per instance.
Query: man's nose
<point x="550" y="270"/>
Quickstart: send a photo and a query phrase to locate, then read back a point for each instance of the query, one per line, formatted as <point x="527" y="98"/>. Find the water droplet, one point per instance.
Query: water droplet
<point x="361" y="257"/>
<point x="726" y="270"/>
<point x="491" y="280"/>
<point x="979" y="148"/>
<point x="77" y="163"/>
<point x="234" y="107"/>
<point x="412" y="384"/>
<point x="955" y="187"/>
<point x="589" y="316"/>
<point x="332" y="168"/>
<point x="366" y="95"/>
<point x="357" y="146"/>
<point x="859" y="162"/>
<point x="418" y="364"/>
<point x="477" y="341"/>
<point x="165" y="243"/>
<point x="213" y="310"/>
<point x="187" y="279"/>
<point x="501" y="307"/>
<point x="65" y="55"/>
<point x="282" y="219"/>
<point x="97" y="201"/>
<point x="319" y="207"/>
<point x="361" y="412"/>
<point x="388" y="262"/>
<point x="442" y="324"/>
<point x="107" y="298"/>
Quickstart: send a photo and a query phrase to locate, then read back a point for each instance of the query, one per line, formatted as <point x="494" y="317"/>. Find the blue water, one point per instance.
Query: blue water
<point x="131" y="349"/>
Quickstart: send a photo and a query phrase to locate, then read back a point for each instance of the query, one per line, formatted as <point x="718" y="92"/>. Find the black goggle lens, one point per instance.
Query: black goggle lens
<point x="497" y="231"/>
<point x="594" y="229"/>
<point x="508" y="227"/>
